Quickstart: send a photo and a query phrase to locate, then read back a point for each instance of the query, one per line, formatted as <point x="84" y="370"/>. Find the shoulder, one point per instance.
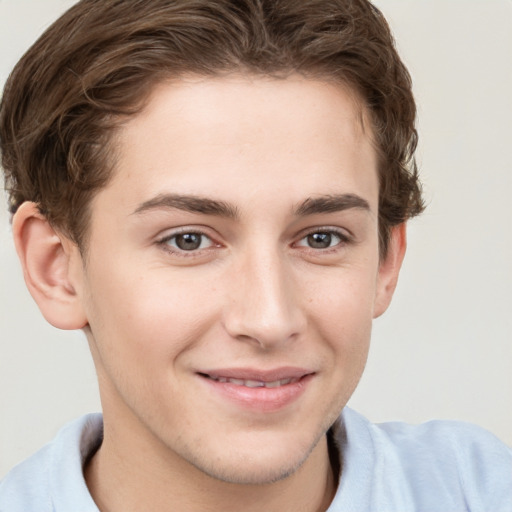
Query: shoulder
<point x="47" y="480"/>
<point x="438" y="465"/>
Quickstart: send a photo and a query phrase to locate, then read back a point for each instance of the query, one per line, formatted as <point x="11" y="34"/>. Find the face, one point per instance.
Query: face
<point x="233" y="272"/>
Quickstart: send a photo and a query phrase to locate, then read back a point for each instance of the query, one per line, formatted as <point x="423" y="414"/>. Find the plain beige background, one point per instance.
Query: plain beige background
<point x="444" y="349"/>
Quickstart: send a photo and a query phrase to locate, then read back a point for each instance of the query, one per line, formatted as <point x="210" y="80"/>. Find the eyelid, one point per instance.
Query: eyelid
<point x="344" y="234"/>
<point x="345" y="238"/>
<point x="162" y="240"/>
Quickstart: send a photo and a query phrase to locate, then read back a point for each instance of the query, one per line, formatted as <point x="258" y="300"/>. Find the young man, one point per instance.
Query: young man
<point x="216" y="193"/>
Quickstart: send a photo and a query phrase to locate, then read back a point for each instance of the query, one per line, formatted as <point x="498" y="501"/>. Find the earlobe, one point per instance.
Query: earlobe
<point x="389" y="269"/>
<point x="47" y="259"/>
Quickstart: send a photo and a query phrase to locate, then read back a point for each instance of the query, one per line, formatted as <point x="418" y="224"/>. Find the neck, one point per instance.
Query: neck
<point x="135" y="474"/>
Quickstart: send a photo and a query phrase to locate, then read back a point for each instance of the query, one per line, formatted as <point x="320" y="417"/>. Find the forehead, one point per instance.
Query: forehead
<point x="217" y="136"/>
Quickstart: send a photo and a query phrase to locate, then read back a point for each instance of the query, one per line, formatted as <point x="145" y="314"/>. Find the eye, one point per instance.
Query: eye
<point x="187" y="241"/>
<point x="322" y="240"/>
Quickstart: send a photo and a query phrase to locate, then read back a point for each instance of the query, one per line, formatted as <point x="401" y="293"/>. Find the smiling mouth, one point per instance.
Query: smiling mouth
<point x="250" y="383"/>
<point x="259" y="391"/>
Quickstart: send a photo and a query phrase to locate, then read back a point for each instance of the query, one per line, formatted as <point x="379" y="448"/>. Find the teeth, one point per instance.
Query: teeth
<point x="255" y="383"/>
<point x="237" y="382"/>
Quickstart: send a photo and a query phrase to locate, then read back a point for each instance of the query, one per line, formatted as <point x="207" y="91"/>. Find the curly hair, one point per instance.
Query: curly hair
<point x="99" y="62"/>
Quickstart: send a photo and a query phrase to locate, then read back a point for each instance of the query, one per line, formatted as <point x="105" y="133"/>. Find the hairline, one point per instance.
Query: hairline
<point x="111" y="145"/>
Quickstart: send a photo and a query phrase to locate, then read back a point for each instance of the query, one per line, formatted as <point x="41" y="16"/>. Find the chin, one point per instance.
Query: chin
<point x="257" y="465"/>
<point x="248" y="472"/>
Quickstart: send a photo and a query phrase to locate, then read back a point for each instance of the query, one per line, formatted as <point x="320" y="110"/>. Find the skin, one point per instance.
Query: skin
<point x="276" y="181"/>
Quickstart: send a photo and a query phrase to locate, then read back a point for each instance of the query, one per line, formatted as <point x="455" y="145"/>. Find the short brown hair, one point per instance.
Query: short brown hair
<point x="100" y="60"/>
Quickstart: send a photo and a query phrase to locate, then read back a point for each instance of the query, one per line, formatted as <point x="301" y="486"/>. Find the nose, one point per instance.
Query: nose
<point x="264" y="303"/>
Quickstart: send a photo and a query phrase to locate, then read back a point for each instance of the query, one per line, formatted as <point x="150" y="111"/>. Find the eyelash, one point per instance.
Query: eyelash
<point x="164" y="243"/>
<point x="342" y="236"/>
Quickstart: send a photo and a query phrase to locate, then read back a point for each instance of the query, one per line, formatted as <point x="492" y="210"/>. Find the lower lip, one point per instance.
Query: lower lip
<point x="260" y="399"/>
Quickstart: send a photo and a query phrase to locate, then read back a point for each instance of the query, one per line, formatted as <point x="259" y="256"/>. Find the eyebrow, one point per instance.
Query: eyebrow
<point x="331" y="204"/>
<point x="208" y="206"/>
<point x="189" y="203"/>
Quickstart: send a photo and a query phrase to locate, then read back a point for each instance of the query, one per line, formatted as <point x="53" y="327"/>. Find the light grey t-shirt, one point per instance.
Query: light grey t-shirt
<point x="438" y="466"/>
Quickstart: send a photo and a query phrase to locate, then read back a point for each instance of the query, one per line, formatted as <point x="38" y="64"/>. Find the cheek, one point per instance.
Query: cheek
<point x="146" y="319"/>
<point x="342" y="301"/>
<point x="340" y="313"/>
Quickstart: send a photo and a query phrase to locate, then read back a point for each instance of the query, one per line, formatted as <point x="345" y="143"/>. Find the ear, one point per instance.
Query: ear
<point x="51" y="266"/>
<point x="389" y="268"/>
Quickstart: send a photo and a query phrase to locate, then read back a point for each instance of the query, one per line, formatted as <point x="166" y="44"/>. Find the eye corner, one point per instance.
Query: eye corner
<point x="323" y="239"/>
<point x="189" y="241"/>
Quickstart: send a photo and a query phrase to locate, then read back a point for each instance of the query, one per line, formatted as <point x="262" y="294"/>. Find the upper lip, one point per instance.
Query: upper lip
<point x="275" y="374"/>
